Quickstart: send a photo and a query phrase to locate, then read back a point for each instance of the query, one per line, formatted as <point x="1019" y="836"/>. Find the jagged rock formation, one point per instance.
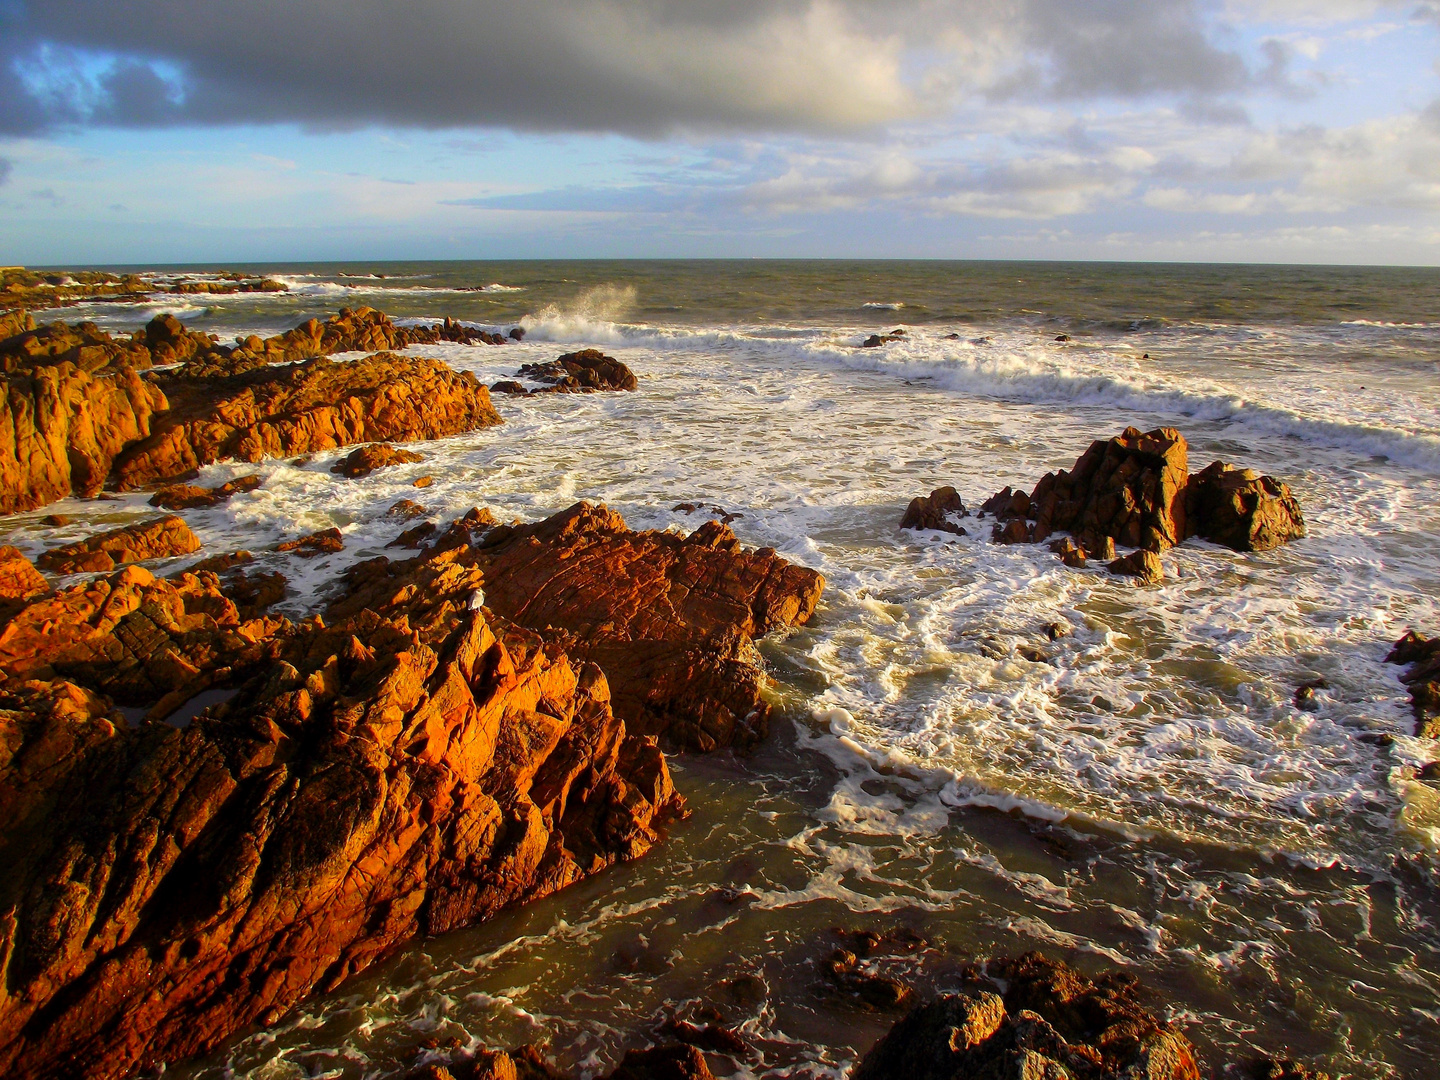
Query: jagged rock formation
<point x="305" y="408"/>
<point x="933" y="511"/>
<point x="1241" y="509"/>
<point x="1136" y="491"/>
<point x="159" y="538"/>
<point x="1422" y="676"/>
<point x="671" y="620"/>
<point x="1051" y="1022"/>
<point x="580" y="372"/>
<point x="61" y="429"/>
<point x="386" y="775"/>
<point x="324" y="542"/>
<point x="163" y="341"/>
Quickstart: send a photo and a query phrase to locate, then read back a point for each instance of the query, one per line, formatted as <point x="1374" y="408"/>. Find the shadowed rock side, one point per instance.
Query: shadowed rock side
<point x="1050" y="1023"/>
<point x="670" y="619"/>
<point x="305" y="408"/>
<point x="62" y="427"/>
<point x="1422" y="676"/>
<point x="383" y="776"/>
<point x="933" y="511"/>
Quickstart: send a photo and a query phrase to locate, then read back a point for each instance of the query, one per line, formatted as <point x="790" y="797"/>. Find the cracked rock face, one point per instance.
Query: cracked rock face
<point x="672" y="620"/>
<point x="380" y="777"/>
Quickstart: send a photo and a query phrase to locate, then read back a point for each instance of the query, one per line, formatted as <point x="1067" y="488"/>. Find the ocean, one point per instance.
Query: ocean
<point x="1142" y="792"/>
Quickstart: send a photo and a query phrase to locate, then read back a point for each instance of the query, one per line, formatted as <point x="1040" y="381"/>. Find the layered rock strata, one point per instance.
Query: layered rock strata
<point x="672" y="620"/>
<point x="1049" y="1021"/>
<point x="385" y="775"/>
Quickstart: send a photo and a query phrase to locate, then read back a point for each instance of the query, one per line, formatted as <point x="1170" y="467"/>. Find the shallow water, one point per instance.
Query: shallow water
<point x="1145" y="794"/>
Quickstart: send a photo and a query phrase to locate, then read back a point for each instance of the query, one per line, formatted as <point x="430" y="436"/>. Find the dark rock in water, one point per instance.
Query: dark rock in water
<point x="1422" y="677"/>
<point x="517" y="333"/>
<point x="1141" y="564"/>
<point x="1052" y="1023"/>
<point x="717" y="513"/>
<point x="1269" y="1068"/>
<point x="160" y="538"/>
<point x="721" y="1040"/>
<point x="1136" y="490"/>
<point x="1056" y="630"/>
<point x="191" y="497"/>
<point x="365" y="460"/>
<point x="325" y="542"/>
<point x="1062" y="337"/>
<point x="663" y="1063"/>
<point x="508" y="386"/>
<point x="414" y="538"/>
<point x="1071" y="553"/>
<point x="406" y="509"/>
<point x="1241" y="509"/>
<point x="1305" y="694"/>
<point x="581" y="372"/>
<point x="874" y="341"/>
<point x="933" y="512"/>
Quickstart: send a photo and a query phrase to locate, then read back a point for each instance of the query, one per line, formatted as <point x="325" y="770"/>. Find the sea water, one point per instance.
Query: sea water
<point x="1142" y="792"/>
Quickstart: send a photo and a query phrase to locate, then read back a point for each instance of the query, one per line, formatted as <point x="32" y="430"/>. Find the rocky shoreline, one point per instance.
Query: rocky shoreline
<point x="211" y="812"/>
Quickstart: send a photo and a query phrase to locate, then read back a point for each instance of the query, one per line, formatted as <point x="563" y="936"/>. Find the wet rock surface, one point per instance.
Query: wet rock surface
<point x="1039" y="1018"/>
<point x="580" y="372"/>
<point x="1421" y="656"/>
<point x="365" y="780"/>
<point x="193" y="497"/>
<point x="158" y="539"/>
<point x="671" y="620"/>
<point x="1241" y="509"/>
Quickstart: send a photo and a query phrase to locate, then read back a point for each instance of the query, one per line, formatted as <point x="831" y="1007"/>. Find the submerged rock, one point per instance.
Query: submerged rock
<point x="371" y="779"/>
<point x="160" y="538"/>
<point x="1422" y="676"/>
<point x="1050" y="1022"/>
<point x="670" y="619"/>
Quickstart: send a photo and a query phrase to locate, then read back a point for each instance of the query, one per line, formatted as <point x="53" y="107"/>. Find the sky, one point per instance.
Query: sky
<point x="151" y="131"/>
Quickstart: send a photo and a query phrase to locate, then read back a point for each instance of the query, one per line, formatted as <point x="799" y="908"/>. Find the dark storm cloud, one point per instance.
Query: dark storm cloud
<point x="643" y="67"/>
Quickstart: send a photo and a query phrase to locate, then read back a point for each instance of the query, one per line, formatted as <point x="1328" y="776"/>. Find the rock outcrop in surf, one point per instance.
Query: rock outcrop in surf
<point x="1040" y="1018"/>
<point x="1136" y="491"/>
<point x="1421" y="655"/>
